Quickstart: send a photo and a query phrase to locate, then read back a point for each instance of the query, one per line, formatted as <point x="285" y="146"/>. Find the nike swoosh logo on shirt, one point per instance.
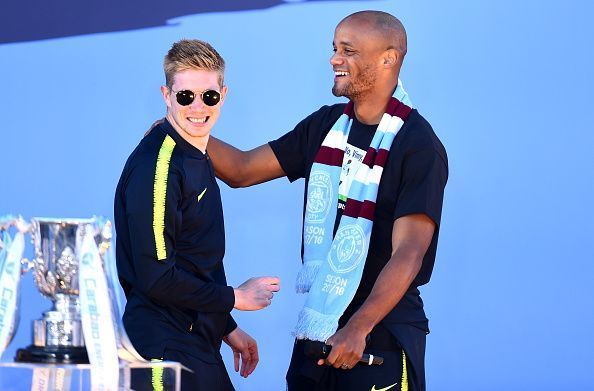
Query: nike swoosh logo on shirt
<point x="202" y="194"/>
<point x="382" y="389"/>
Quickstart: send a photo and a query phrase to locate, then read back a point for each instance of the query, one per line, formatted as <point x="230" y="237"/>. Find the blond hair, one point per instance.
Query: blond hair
<point x="192" y="54"/>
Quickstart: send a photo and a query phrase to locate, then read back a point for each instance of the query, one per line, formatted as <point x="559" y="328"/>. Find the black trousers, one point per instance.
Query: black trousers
<point x="305" y="375"/>
<point x="205" y="376"/>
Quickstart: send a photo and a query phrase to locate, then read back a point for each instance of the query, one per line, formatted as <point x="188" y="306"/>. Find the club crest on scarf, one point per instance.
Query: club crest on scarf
<point x="346" y="252"/>
<point x="319" y="192"/>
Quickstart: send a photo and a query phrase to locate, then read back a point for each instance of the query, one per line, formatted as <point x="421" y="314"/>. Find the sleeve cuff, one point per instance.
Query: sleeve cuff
<point x="231" y="325"/>
<point x="279" y="156"/>
<point x="227" y="298"/>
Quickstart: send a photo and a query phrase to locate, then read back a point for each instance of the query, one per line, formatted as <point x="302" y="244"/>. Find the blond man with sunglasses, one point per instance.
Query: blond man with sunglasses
<point x="171" y="240"/>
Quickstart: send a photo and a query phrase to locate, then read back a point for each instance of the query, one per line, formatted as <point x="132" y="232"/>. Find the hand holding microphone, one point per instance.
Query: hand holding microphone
<point x="319" y="350"/>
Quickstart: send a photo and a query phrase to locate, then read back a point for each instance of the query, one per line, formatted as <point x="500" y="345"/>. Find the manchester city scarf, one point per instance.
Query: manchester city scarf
<point x="333" y="266"/>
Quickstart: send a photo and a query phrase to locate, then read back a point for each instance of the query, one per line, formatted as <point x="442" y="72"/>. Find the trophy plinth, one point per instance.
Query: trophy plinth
<point x="58" y="335"/>
<point x="52" y="355"/>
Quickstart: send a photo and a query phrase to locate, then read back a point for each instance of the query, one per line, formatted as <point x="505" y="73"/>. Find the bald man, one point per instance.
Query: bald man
<point x="374" y="174"/>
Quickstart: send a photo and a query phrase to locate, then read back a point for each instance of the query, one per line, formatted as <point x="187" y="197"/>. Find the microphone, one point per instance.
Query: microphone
<point x="319" y="350"/>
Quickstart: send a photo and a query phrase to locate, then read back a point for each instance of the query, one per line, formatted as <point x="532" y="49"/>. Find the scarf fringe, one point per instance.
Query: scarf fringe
<point x="315" y="326"/>
<point x="306" y="276"/>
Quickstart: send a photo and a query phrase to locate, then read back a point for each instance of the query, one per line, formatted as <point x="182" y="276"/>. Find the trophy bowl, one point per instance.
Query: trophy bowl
<point x="58" y="335"/>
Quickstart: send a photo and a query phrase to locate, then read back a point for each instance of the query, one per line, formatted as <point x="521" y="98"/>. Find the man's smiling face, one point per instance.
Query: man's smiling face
<point x="356" y="60"/>
<point x="195" y="120"/>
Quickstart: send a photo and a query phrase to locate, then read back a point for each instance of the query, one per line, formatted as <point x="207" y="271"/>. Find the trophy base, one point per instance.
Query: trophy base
<point x="53" y="355"/>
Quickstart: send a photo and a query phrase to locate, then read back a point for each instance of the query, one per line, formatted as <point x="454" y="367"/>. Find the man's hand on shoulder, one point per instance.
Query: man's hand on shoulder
<point x="256" y="293"/>
<point x="239" y="168"/>
<point x="244" y="346"/>
<point x="154" y="125"/>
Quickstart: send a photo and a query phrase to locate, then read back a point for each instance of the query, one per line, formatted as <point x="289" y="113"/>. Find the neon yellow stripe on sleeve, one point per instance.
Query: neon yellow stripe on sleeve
<point x="159" y="195"/>
<point x="157" y="375"/>
<point x="404" y="382"/>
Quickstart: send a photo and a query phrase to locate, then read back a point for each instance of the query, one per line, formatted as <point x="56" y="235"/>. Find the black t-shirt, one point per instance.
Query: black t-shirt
<point x="413" y="182"/>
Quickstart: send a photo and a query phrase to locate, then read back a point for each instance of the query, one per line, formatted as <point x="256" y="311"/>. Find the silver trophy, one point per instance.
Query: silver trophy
<point x="58" y="335"/>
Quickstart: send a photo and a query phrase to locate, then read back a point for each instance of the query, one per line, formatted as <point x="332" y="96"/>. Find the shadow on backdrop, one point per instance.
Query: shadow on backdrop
<point x="31" y="20"/>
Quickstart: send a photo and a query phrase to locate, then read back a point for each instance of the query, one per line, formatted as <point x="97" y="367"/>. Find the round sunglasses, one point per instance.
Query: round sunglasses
<point x="186" y="97"/>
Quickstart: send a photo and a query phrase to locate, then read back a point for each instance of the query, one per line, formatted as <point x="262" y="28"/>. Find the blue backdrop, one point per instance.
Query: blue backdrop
<point x="507" y="85"/>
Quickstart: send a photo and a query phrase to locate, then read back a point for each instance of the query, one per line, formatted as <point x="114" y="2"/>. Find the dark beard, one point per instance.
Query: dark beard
<point x="347" y="91"/>
<point x="356" y="89"/>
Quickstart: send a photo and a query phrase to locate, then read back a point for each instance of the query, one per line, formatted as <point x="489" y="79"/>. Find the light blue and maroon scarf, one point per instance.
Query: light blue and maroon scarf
<point x="332" y="266"/>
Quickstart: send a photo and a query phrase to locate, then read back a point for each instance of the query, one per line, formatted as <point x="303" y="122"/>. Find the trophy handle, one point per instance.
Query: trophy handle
<point x="27" y="265"/>
<point x="6" y="222"/>
<point x="103" y="234"/>
<point x="22" y="226"/>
